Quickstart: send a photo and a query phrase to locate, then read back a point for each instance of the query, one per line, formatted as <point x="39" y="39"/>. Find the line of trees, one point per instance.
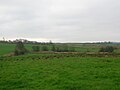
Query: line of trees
<point x="25" y="41"/>
<point x="109" y="49"/>
<point x="20" y="48"/>
<point x="55" y="48"/>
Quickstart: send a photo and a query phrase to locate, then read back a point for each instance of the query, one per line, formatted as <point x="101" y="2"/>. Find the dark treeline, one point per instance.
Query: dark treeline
<point x="20" y="48"/>
<point x="54" y="48"/>
<point x="24" y="41"/>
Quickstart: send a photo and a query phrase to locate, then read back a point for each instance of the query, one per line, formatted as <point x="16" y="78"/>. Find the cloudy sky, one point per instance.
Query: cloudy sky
<point x="60" y="20"/>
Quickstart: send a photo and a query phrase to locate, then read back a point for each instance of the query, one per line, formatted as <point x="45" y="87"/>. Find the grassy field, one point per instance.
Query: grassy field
<point x="8" y="48"/>
<point x="59" y="72"/>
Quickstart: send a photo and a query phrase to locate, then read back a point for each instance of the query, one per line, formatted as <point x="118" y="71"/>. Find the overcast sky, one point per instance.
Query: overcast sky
<point x="60" y="20"/>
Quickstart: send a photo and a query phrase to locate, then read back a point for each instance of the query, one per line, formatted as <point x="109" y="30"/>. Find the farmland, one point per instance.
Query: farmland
<point x="83" y="70"/>
<point x="6" y="48"/>
<point x="59" y="45"/>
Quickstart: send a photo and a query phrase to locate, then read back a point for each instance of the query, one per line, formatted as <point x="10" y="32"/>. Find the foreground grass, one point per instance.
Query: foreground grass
<point x="59" y="72"/>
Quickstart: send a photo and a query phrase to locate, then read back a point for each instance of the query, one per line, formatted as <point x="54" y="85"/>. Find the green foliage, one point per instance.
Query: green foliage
<point x="71" y="49"/>
<point x="36" y="48"/>
<point x="20" y="49"/>
<point x="65" y="48"/>
<point x="107" y="49"/>
<point x="44" y="48"/>
<point x="53" y="48"/>
<point x="7" y="48"/>
<point x="60" y="48"/>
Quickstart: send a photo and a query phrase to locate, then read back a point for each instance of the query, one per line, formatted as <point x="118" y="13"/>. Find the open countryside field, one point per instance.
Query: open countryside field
<point x="6" y="48"/>
<point x="59" y="44"/>
<point x="60" y="70"/>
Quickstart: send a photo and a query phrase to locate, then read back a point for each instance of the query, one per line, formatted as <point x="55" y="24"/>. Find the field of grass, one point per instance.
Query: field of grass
<point x="60" y="72"/>
<point x="8" y="48"/>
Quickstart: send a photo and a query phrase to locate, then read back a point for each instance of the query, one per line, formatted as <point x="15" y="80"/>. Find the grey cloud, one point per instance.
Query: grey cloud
<point x="61" y="20"/>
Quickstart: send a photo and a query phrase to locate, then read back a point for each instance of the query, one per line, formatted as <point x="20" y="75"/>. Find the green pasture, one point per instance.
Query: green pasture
<point x="57" y="71"/>
<point x="60" y="70"/>
<point x="6" y="48"/>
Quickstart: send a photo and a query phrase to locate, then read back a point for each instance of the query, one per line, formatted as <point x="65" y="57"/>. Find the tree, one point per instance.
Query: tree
<point x="53" y="48"/>
<point x="50" y="42"/>
<point x="64" y="48"/>
<point x="107" y="49"/>
<point x="71" y="49"/>
<point x="20" y="49"/>
<point x="58" y="49"/>
<point x="36" y="48"/>
<point x="44" y="48"/>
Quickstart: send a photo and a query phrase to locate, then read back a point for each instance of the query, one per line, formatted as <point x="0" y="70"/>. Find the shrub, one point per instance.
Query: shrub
<point x="58" y="49"/>
<point x="65" y="48"/>
<point x="20" y="49"/>
<point x="107" y="49"/>
<point x="71" y="49"/>
<point x="53" y="48"/>
<point x="62" y="48"/>
<point x="44" y="48"/>
<point x="36" y="48"/>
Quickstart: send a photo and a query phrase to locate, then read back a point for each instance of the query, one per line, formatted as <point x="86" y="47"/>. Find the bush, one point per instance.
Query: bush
<point x="20" y="49"/>
<point x="63" y="48"/>
<point x="53" y="48"/>
<point x="71" y="49"/>
<point x="107" y="49"/>
<point x="44" y="48"/>
<point x="58" y="49"/>
<point x="36" y="48"/>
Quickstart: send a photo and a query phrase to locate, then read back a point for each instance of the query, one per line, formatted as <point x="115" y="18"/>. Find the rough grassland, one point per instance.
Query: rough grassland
<point x="59" y="72"/>
<point x="6" y="48"/>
